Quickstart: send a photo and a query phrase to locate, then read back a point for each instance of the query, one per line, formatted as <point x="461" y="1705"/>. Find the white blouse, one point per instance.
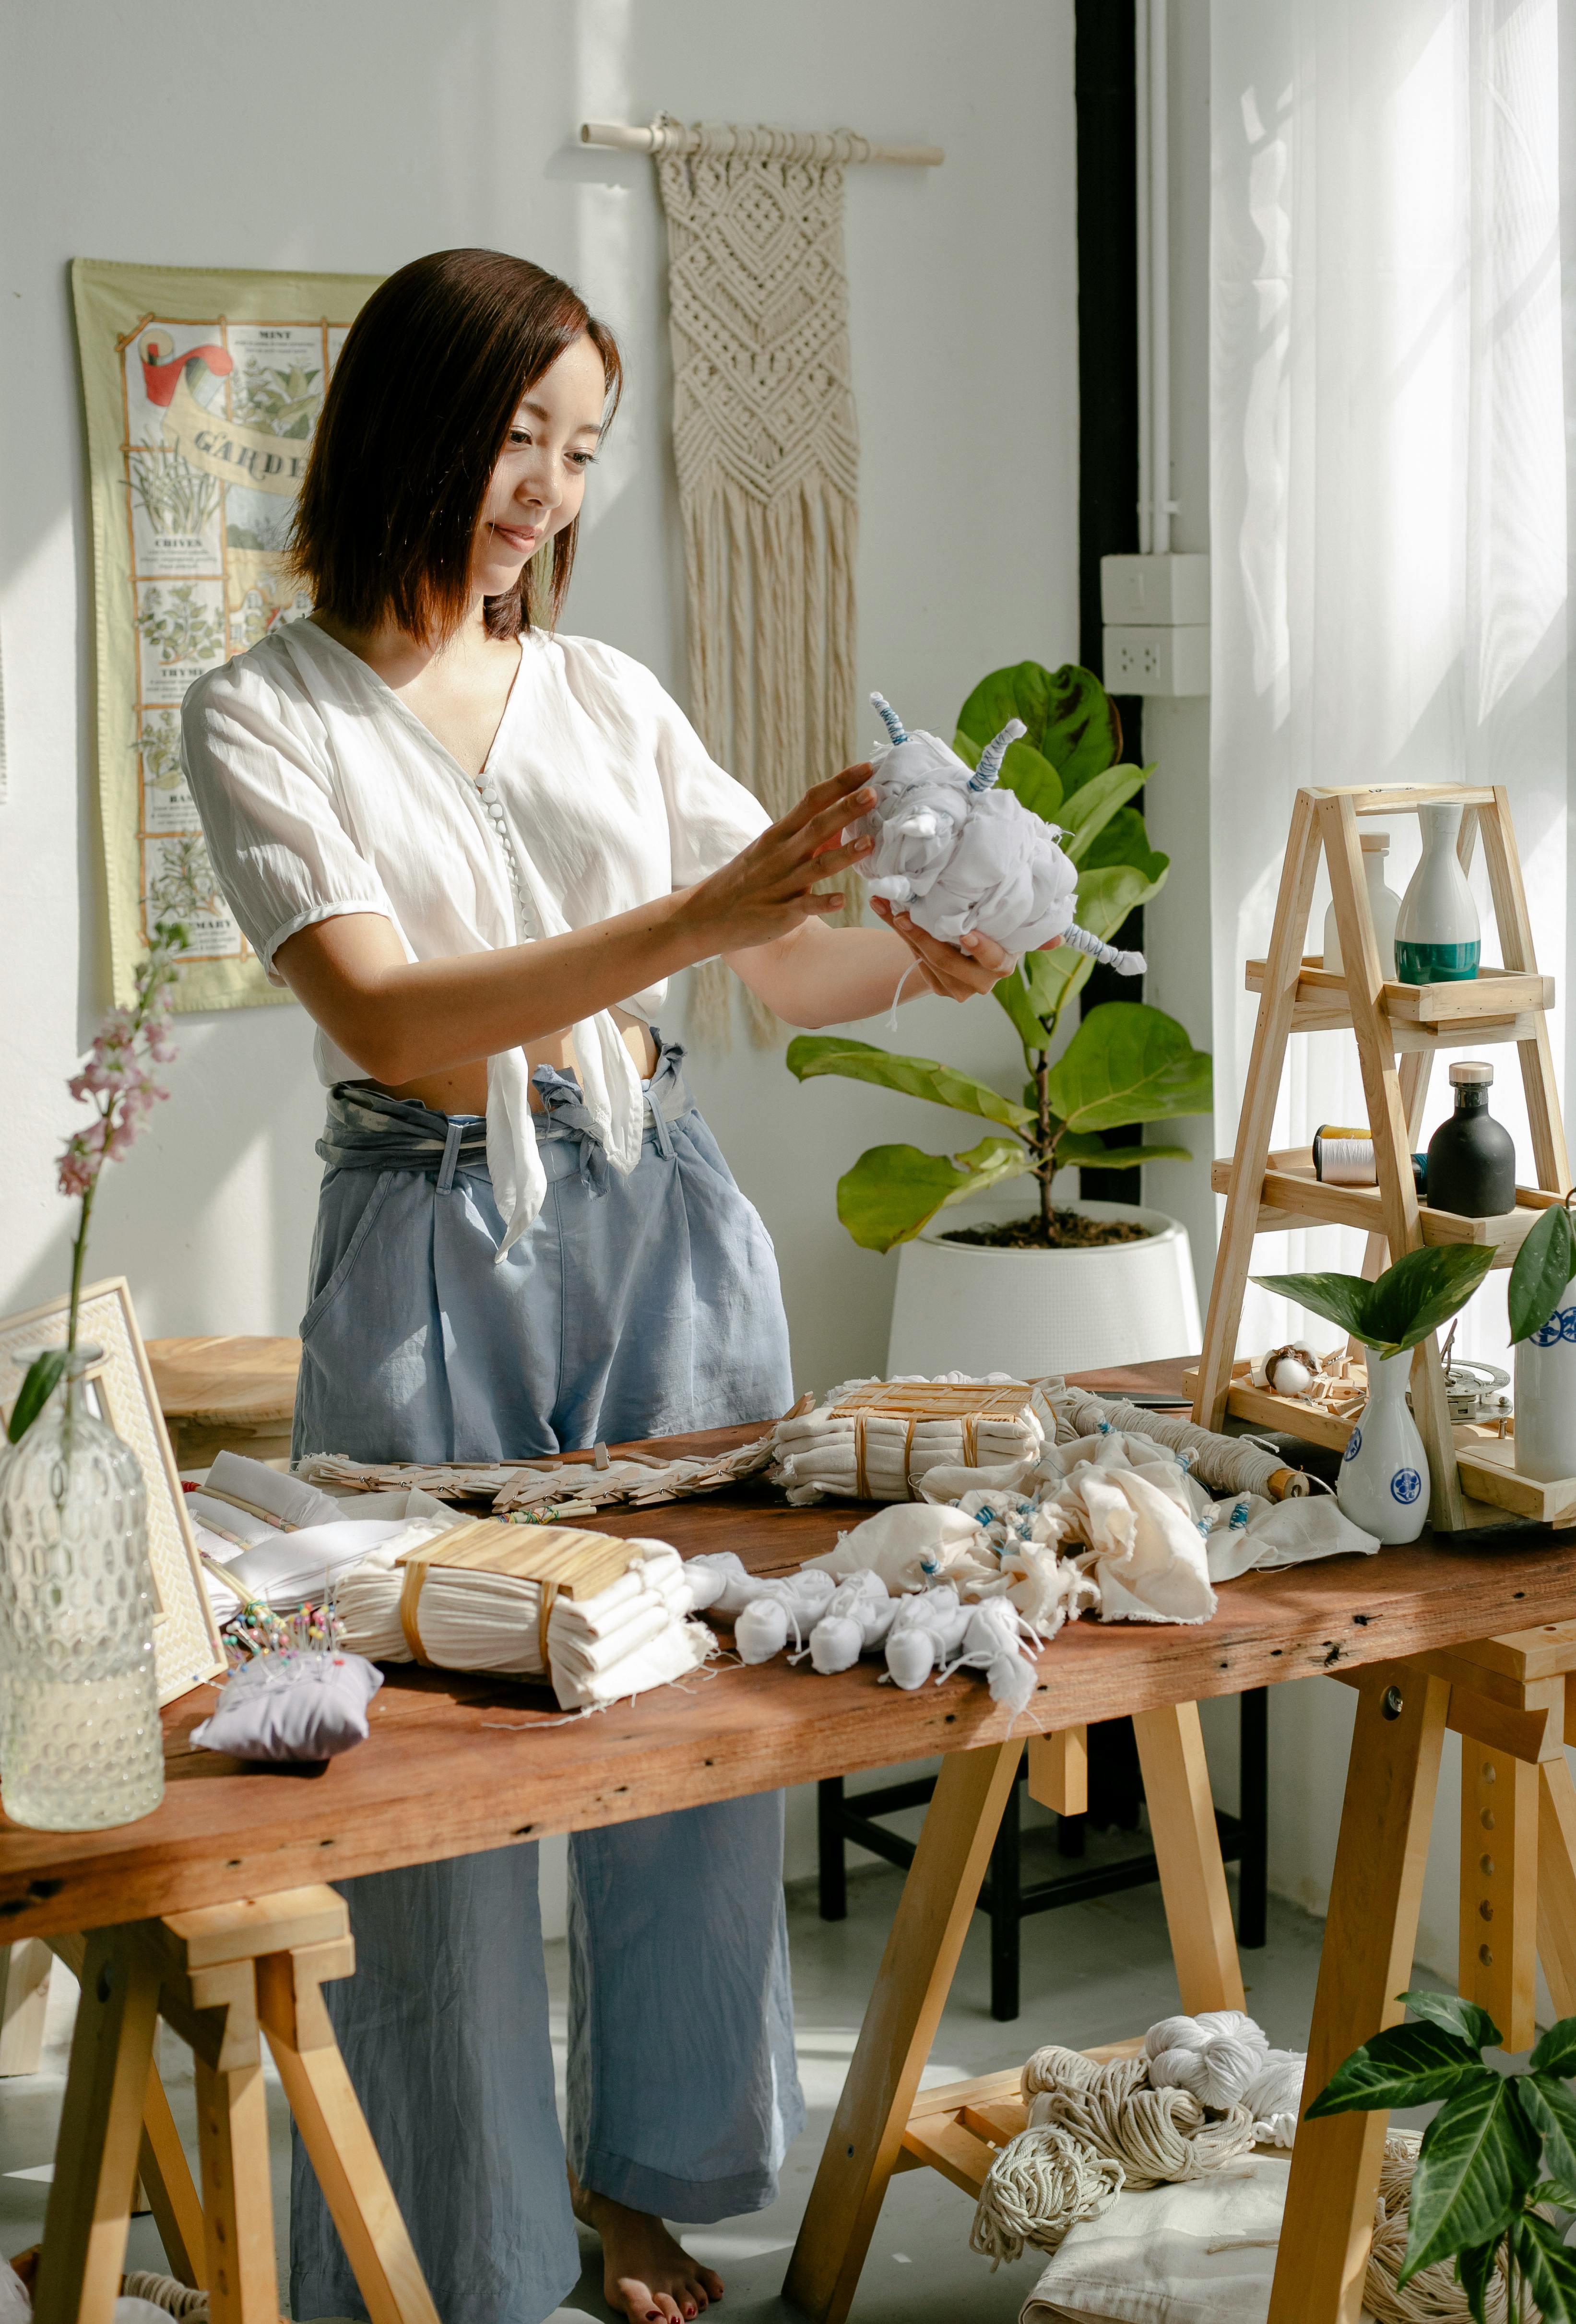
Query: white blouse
<point x="320" y="792"/>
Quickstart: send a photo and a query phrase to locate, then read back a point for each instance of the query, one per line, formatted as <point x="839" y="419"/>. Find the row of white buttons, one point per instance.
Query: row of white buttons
<point x="494" y="806"/>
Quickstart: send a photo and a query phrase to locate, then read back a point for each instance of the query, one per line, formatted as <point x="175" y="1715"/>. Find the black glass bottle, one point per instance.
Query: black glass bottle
<point x="1471" y="1157"/>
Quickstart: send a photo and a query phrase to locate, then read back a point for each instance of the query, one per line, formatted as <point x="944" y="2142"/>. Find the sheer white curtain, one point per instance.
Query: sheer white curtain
<point x="1388" y="485"/>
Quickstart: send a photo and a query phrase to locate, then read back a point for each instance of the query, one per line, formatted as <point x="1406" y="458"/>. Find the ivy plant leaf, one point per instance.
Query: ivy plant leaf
<point x="1475" y="2273"/>
<point x="1464" y="2019"/>
<point x="1125" y="840"/>
<point x="1556" y="2050"/>
<point x="1093" y="803"/>
<point x="1127" y="1063"/>
<point x="893" y="1191"/>
<point x="1478" y="2163"/>
<point x="1090" y="1154"/>
<point x="1012" y="993"/>
<point x="811" y="1054"/>
<point x="1551" y="2108"/>
<point x="990" y="1164"/>
<point x="39" y="1384"/>
<point x="1403" y="2066"/>
<point x="1423" y="1290"/>
<point x="1541" y="1268"/>
<point x="1072" y="721"/>
<point x="1547" y="2266"/>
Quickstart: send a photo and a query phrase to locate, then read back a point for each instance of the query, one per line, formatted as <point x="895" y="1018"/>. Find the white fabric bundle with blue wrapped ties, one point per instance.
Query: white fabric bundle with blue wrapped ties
<point x="957" y="854"/>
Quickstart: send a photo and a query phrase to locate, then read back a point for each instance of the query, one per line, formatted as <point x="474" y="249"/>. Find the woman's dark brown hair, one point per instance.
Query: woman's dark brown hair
<point x="420" y="405"/>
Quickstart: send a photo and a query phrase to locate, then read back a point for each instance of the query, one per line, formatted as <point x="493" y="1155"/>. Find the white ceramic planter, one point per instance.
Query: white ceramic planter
<point x="963" y="1307"/>
<point x="1545" y="1396"/>
<point x="1438" y="938"/>
<point x="1383" y="1485"/>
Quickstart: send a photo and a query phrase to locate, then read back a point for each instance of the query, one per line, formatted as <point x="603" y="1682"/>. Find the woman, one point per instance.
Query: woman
<point x="476" y="852"/>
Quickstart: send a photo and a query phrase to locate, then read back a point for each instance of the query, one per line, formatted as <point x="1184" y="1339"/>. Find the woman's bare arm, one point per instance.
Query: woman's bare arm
<point x="401" y="1019"/>
<point x="816" y="975"/>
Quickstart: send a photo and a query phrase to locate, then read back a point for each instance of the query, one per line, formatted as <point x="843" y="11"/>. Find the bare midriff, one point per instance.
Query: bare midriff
<point x="464" y="1089"/>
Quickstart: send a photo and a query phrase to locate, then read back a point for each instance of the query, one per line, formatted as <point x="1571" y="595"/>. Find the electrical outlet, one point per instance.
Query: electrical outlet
<point x="1155" y="592"/>
<point x="1156" y="660"/>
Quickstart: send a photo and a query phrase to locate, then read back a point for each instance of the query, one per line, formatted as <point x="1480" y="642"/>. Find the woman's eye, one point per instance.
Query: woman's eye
<point x="518" y="436"/>
<point x="584" y="459"/>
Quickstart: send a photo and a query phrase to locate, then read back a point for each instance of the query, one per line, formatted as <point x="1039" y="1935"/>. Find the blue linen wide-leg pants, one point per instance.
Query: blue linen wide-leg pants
<point x="636" y="1305"/>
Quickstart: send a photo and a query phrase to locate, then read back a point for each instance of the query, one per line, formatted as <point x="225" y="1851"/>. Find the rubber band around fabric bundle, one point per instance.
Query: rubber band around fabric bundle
<point x="968" y="1403"/>
<point x="557" y="1558"/>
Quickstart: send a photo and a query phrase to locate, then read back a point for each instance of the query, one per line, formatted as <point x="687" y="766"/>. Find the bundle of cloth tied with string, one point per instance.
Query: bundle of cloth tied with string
<point x="603" y="1618"/>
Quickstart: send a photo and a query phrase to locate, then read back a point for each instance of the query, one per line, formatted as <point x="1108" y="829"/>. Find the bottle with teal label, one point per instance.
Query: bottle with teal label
<point x="1438" y="937"/>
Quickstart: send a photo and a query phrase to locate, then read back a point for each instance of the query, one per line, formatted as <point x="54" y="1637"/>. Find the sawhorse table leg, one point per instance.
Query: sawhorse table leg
<point x="1506" y="1699"/>
<point x="221" y="1976"/>
<point x="863" y="2146"/>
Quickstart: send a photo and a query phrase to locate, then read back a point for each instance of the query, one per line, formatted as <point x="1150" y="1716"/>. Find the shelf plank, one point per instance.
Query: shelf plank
<point x="1488" y="1473"/>
<point x="1368" y="799"/>
<point x="1292" y="1196"/>
<point x="1496" y="1005"/>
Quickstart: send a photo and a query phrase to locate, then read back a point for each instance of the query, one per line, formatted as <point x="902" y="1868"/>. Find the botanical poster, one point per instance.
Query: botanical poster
<point x="202" y="390"/>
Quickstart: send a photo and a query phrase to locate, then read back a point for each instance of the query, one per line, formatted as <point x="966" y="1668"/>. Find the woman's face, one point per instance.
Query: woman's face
<point x="539" y="481"/>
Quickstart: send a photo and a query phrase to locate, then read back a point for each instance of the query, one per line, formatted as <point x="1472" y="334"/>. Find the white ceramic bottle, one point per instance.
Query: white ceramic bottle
<point x="1545" y="1396"/>
<point x="1383" y="1484"/>
<point x="1438" y="937"/>
<point x="1383" y="903"/>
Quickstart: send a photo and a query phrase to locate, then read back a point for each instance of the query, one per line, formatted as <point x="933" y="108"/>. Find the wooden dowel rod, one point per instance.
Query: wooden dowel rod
<point x="809" y="146"/>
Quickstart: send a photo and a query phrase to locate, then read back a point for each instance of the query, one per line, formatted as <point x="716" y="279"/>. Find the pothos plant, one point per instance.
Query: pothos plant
<point x="1497" y="2156"/>
<point x="1126" y="1064"/>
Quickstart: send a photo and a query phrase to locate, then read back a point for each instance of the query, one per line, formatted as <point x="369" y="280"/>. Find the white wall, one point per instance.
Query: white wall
<point x="356" y="137"/>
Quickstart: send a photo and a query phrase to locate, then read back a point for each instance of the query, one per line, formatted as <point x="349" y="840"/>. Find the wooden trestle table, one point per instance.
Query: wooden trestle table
<point x="214" y="1912"/>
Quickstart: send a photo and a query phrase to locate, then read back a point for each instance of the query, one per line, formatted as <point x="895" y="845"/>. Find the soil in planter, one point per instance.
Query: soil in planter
<point x="1069" y="1230"/>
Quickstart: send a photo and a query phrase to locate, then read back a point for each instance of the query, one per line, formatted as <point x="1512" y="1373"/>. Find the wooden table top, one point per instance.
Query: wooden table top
<point x="245" y="1381"/>
<point x="457" y="1764"/>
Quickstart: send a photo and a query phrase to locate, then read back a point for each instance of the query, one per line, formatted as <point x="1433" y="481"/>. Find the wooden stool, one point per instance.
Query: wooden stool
<point x="882" y="2125"/>
<point x="1506" y="1699"/>
<point x="226" y="1395"/>
<point x="220" y="1975"/>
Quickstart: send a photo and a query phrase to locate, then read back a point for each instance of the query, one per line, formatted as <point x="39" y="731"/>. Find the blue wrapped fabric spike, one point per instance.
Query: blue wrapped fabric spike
<point x="957" y="854"/>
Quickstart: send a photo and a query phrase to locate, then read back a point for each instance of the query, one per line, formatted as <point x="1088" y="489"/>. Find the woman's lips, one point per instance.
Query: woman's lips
<point x="520" y="537"/>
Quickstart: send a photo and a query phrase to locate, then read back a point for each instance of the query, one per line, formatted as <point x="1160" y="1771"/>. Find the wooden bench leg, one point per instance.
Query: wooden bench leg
<point x="89" y="2205"/>
<point x="334" y="2131"/>
<point x="1366" y="1961"/>
<point x="915" y="1974"/>
<point x="1187" y="1850"/>
<point x="24" y="1998"/>
<point x="1557" y="1882"/>
<point x="166" y="2175"/>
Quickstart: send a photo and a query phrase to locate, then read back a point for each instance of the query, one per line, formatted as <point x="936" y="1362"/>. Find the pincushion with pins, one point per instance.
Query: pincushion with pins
<point x="957" y="854"/>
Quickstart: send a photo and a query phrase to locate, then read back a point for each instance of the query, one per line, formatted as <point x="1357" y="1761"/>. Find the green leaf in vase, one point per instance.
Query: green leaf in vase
<point x="39" y="1384"/>
<point x="1540" y="1271"/>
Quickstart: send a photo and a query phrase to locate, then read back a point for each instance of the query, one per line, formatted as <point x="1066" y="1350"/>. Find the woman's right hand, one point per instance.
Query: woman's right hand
<point x="769" y="889"/>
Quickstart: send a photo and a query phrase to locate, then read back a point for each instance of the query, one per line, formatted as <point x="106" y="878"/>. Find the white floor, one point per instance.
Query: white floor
<point x="1092" y="1972"/>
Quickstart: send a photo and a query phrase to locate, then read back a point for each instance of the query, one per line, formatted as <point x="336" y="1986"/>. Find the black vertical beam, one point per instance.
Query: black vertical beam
<point x="1253" y="1817"/>
<point x="833" y="1884"/>
<point x="1104" y="90"/>
<point x="1005" y="1890"/>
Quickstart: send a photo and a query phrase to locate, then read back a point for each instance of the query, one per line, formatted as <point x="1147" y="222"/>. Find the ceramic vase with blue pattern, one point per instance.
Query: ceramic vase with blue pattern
<point x="1383" y="1485"/>
<point x="1438" y="937"/>
<point x="1545" y="1396"/>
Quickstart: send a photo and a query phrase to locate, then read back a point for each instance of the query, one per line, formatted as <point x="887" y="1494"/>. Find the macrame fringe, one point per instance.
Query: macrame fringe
<point x="765" y="443"/>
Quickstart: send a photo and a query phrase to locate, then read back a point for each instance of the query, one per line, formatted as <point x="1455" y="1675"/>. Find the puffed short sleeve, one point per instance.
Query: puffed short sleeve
<point x="710" y="816"/>
<point x="257" y="765"/>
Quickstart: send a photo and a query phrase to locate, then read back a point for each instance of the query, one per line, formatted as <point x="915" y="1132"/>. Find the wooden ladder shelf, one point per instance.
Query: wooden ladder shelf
<point x="1398" y="1029"/>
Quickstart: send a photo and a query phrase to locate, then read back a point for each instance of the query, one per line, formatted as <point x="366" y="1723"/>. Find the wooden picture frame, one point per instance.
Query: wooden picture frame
<point x="186" y="1638"/>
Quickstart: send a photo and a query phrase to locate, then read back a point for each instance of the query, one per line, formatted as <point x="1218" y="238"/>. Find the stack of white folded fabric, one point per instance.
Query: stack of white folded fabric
<point x="630" y="1635"/>
<point x="878" y="1440"/>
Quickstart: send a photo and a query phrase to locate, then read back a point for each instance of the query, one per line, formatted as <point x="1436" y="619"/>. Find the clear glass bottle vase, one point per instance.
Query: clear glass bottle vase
<point x="80" y="1745"/>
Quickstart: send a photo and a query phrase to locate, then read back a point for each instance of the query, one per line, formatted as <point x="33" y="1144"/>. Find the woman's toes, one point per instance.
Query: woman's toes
<point x="711" y="2283"/>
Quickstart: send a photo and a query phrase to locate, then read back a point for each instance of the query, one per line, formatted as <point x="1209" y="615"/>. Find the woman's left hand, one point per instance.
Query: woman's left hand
<point x="956" y="971"/>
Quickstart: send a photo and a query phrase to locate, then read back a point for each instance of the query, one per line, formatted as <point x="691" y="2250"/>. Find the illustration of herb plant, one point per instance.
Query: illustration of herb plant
<point x="174" y="496"/>
<point x="178" y="626"/>
<point x="160" y="743"/>
<point x="184" y="883"/>
<point x="275" y="401"/>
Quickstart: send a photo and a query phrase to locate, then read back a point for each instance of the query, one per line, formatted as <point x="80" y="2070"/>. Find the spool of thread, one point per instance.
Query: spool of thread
<point x="1344" y="1156"/>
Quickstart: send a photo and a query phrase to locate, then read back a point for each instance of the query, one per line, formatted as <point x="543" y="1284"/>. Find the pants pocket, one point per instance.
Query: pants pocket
<point x="336" y="1201"/>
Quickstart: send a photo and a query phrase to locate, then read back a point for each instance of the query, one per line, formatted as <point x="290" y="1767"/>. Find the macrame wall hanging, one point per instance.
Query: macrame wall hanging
<point x="767" y="446"/>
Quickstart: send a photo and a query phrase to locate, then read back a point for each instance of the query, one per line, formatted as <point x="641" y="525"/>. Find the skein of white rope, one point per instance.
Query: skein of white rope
<point x="189" y="2304"/>
<point x="1042" y="2183"/>
<point x="1227" y="1464"/>
<point x="1435" y="2294"/>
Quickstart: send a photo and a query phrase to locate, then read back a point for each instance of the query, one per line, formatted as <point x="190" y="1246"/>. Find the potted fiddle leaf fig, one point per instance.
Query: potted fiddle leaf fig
<point x="1495" y="2160"/>
<point x="968" y="1293"/>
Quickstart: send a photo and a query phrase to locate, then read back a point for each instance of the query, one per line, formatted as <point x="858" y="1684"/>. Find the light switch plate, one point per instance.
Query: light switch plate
<point x="1152" y="592"/>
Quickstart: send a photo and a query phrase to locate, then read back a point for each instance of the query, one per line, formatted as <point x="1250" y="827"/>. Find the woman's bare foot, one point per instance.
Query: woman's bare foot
<point x="645" y="2273"/>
